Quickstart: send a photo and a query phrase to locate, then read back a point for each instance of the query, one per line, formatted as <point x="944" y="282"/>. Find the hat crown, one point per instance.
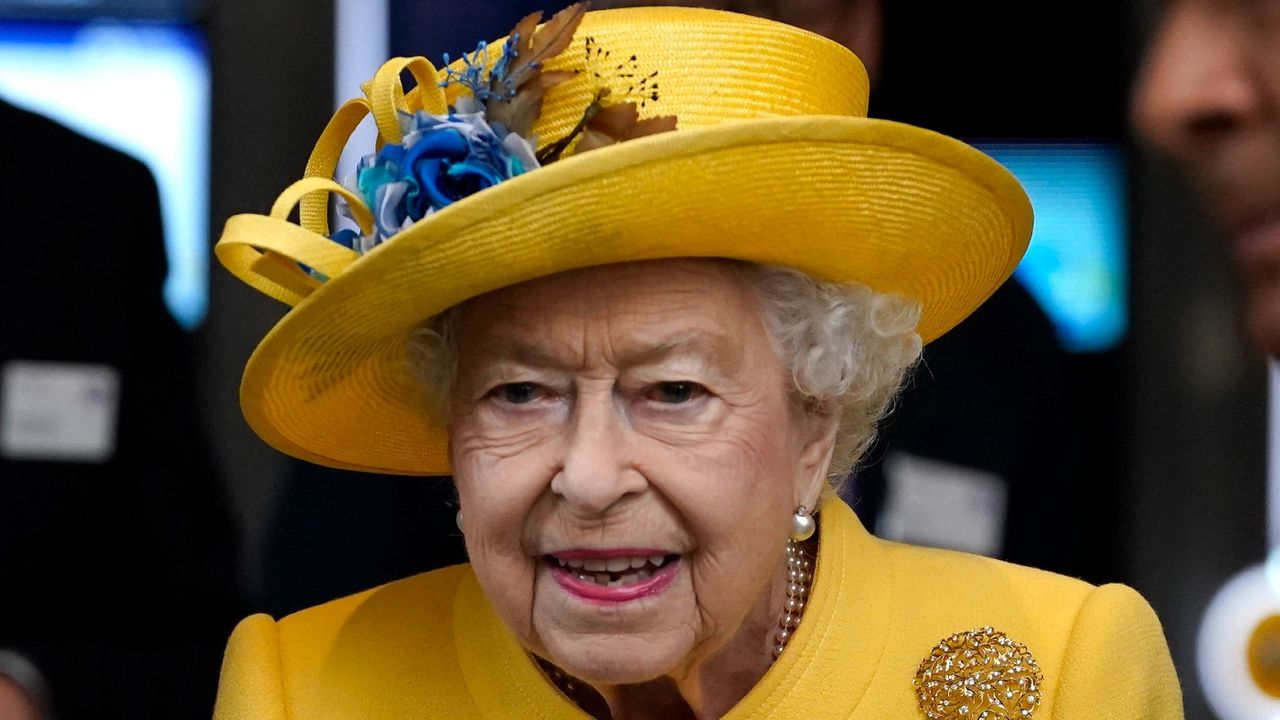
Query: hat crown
<point x="712" y="67"/>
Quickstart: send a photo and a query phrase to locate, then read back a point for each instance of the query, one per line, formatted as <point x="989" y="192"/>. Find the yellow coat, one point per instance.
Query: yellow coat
<point x="431" y="647"/>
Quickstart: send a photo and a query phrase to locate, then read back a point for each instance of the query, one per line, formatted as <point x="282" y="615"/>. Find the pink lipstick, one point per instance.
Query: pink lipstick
<point x="615" y="575"/>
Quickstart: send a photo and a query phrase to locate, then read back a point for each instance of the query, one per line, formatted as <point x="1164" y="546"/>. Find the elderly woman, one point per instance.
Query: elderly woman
<point x="643" y="281"/>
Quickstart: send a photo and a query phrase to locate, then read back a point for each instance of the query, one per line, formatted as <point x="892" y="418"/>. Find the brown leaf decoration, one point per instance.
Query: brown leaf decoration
<point x="548" y="42"/>
<point x="518" y="93"/>
<point x="522" y="111"/>
<point x="620" y="123"/>
<point x="523" y="32"/>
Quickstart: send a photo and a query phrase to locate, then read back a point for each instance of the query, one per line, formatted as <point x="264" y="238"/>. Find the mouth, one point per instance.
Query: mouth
<point x="1251" y="219"/>
<point x="613" y="576"/>
<point x="1257" y="241"/>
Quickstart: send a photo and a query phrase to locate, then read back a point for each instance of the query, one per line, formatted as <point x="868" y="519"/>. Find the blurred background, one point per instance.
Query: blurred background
<point x="1103" y="416"/>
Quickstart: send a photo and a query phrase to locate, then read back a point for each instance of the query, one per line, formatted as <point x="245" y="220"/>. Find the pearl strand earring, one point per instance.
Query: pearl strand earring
<point x="799" y="579"/>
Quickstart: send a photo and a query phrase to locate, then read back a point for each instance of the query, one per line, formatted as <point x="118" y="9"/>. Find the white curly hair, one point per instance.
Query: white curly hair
<point x="847" y="348"/>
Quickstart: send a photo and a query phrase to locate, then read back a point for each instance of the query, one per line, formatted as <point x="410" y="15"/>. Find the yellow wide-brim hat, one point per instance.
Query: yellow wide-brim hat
<point x="774" y="161"/>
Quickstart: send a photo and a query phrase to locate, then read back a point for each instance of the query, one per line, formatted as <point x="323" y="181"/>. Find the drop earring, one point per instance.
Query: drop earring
<point x="458" y="520"/>
<point x="799" y="578"/>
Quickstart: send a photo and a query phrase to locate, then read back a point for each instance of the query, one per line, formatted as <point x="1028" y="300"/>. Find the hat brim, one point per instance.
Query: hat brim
<point x="898" y="208"/>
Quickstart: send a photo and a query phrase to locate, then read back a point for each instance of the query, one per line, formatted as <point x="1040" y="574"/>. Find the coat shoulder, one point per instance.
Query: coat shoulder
<point x="983" y="584"/>
<point x="1090" y="645"/>
<point x="393" y="641"/>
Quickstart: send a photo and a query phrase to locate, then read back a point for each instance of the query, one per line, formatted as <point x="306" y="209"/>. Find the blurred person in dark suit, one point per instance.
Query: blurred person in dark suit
<point x="1208" y="96"/>
<point x="117" y="551"/>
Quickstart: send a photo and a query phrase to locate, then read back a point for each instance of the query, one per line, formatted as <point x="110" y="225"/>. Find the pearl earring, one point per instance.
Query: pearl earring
<point x="799" y="577"/>
<point x="802" y="525"/>
<point x="458" y="519"/>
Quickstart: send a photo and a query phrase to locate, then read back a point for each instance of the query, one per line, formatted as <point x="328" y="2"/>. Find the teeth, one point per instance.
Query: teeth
<point x="632" y="569"/>
<point x="615" y="579"/>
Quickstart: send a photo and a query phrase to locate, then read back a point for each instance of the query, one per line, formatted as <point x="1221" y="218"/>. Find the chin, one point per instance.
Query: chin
<point x="1268" y="340"/>
<point x="617" y="660"/>
<point x="1264" y="318"/>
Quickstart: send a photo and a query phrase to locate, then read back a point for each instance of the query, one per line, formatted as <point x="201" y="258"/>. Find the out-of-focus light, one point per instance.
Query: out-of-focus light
<point x="361" y="43"/>
<point x="142" y="88"/>
<point x="174" y="10"/>
<point x="1236" y="647"/>
<point x="1076" y="266"/>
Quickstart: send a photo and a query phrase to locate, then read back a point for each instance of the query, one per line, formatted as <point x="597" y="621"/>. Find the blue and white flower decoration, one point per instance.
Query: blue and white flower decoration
<point x="486" y="138"/>
<point x="441" y="161"/>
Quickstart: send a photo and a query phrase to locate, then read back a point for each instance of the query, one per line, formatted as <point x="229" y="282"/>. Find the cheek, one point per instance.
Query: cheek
<point x="740" y="468"/>
<point x="743" y="480"/>
<point x="498" y="484"/>
<point x="499" y="469"/>
<point x="746" y="462"/>
<point x="735" y="492"/>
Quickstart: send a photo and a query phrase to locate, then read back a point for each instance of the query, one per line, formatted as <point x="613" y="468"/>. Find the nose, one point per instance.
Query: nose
<point x="595" y="474"/>
<point x="1196" y="84"/>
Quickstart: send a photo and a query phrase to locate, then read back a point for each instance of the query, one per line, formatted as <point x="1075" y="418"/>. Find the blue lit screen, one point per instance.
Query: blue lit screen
<point x="142" y="88"/>
<point x="1077" y="264"/>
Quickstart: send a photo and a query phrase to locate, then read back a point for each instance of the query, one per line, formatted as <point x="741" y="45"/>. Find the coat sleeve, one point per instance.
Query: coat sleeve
<point x="252" y="684"/>
<point x="1117" y="663"/>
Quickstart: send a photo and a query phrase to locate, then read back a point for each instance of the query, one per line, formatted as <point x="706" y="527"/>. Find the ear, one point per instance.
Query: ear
<point x="815" y="458"/>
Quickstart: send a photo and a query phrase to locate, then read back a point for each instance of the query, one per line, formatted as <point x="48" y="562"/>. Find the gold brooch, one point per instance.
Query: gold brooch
<point x="979" y="675"/>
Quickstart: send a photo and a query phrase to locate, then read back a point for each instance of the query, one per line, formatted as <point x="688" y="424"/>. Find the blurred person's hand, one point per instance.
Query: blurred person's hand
<point x="23" y="692"/>
<point x="15" y="703"/>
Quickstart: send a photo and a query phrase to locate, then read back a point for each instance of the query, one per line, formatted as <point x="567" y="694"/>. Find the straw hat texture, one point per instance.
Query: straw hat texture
<point x="773" y="161"/>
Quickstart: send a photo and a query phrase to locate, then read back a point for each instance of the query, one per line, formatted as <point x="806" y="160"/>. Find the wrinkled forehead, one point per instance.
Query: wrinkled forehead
<point x="631" y="313"/>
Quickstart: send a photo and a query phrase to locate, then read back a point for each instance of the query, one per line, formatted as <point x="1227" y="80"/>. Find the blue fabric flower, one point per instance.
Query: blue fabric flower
<point x="441" y="160"/>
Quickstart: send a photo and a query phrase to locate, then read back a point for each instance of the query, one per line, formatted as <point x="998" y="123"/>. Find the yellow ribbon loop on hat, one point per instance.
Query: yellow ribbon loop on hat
<point x="309" y="186"/>
<point x="387" y="96"/>
<point x="314" y="213"/>
<point x="265" y="251"/>
<point x="427" y="96"/>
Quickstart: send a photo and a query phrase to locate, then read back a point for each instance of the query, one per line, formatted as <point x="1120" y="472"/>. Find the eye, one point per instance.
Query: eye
<point x="676" y="393"/>
<point x="518" y="393"/>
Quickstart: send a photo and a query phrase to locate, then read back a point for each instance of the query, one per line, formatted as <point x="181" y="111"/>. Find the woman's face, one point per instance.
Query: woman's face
<point x="628" y="457"/>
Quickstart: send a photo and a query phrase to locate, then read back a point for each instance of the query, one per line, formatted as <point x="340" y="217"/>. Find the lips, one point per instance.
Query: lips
<point x="613" y="576"/>
<point x="1244" y="196"/>
<point x="1257" y="241"/>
